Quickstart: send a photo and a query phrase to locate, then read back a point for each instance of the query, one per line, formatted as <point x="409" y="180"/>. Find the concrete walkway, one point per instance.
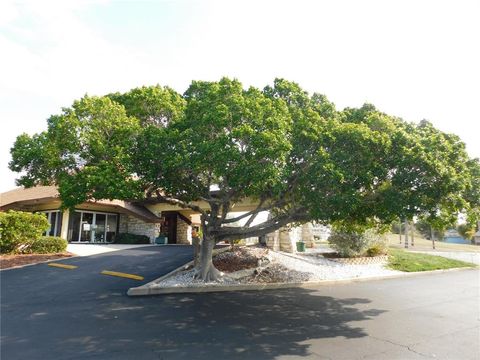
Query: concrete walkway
<point x="470" y="257"/>
<point x="94" y="249"/>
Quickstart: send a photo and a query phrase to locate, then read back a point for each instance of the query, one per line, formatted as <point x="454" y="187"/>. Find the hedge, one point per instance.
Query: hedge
<point x="47" y="245"/>
<point x="126" y="238"/>
<point x="20" y="229"/>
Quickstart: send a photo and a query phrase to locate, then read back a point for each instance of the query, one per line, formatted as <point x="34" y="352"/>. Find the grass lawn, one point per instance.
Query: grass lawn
<point x="424" y="244"/>
<point x="411" y="262"/>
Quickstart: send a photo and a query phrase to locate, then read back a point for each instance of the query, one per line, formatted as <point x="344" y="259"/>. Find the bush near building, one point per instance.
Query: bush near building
<point x="18" y="230"/>
<point x="47" y="245"/>
<point x="126" y="238"/>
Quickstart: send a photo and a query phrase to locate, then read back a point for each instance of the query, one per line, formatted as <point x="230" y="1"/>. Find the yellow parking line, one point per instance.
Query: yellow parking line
<point x="63" y="266"/>
<point x="120" y="274"/>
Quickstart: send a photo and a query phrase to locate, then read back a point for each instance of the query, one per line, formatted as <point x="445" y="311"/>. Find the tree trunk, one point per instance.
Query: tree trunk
<point x="206" y="271"/>
<point x="406" y="234"/>
<point x="196" y="251"/>
<point x="400" y="232"/>
<point x="432" y="237"/>
<point x="413" y="234"/>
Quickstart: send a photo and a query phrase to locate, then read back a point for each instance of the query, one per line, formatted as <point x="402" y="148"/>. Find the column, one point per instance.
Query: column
<point x="65" y="220"/>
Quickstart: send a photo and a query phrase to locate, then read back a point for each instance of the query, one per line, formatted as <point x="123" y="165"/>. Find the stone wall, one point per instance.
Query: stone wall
<point x="307" y="235"/>
<point x="184" y="232"/>
<point x="273" y="240"/>
<point x="286" y="238"/>
<point x="132" y="225"/>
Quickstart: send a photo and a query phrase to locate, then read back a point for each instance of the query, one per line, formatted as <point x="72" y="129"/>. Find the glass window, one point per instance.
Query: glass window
<point x="99" y="227"/>
<point x="111" y="229"/>
<point x="58" y="230"/>
<point x="89" y="226"/>
<point x="74" y="226"/>
<point x="86" y="233"/>
<point x="55" y="220"/>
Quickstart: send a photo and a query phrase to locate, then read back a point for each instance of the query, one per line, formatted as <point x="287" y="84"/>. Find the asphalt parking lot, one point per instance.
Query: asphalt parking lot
<point x="56" y="313"/>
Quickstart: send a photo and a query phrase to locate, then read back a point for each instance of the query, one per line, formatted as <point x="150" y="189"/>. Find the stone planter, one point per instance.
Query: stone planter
<point x="361" y="260"/>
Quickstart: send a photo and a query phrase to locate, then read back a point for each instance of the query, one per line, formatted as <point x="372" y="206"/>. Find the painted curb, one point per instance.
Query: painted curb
<point x="145" y="290"/>
<point x="38" y="263"/>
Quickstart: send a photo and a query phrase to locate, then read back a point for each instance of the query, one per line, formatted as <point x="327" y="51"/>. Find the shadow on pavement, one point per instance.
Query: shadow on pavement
<point x="253" y="325"/>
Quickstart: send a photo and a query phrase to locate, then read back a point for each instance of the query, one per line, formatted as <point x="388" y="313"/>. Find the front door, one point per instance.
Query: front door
<point x="92" y="226"/>
<point x="169" y="227"/>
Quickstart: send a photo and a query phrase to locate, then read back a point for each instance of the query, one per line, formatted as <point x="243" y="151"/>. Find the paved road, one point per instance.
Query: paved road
<point x="47" y="314"/>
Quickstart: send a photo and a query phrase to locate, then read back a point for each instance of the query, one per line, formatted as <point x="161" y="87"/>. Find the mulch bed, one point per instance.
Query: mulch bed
<point x="239" y="259"/>
<point x="8" y="261"/>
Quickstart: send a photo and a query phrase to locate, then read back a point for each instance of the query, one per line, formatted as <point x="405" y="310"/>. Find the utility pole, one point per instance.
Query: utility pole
<point x="406" y="234"/>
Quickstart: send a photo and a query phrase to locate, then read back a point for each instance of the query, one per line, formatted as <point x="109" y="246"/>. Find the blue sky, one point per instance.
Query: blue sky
<point x="413" y="59"/>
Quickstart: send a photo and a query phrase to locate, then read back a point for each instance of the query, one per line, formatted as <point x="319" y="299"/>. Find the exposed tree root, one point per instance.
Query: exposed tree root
<point x="208" y="274"/>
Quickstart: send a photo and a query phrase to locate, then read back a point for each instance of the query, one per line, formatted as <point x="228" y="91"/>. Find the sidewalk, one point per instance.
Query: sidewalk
<point x="94" y="249"/>
<point x="471" y="257"/>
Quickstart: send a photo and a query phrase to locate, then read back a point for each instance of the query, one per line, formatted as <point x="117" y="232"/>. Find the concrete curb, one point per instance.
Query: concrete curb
<point x="146" y="290"/>
<point x="40" y="262"/>
<point x="173" y="272"/>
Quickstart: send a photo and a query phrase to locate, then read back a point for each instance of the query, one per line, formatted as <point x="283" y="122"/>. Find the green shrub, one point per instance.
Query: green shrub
<point x="47" y="245"/>
<point x="127" y="238"/>
<point x="349" y="244"/>
<point x="20" y="229"/>
<point x="376" y="250"/>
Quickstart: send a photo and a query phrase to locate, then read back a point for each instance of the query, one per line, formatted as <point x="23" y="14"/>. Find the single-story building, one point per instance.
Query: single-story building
<point x="100" y="221"/>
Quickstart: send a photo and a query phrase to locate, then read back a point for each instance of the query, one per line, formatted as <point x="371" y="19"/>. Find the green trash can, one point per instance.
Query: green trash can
<point x="161" y="240"/>
<point x="300" y="246"/>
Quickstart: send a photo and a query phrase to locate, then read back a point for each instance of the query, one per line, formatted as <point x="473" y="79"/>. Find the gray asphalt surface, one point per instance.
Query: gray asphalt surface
<point x="51" y="313"/>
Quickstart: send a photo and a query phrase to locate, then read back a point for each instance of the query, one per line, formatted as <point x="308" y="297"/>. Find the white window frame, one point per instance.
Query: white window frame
<point x="49" y="218"/>
<point x="94" y="221"/>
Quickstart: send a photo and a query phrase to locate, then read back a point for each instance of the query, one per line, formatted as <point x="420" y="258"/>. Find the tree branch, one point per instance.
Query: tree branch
<point x="258" y="209"/>
<point x="182" y="204"/>
<point x="234" y="233"/>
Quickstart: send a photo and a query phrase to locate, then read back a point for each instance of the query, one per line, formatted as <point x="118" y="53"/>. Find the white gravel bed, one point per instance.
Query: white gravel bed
<point x="185" y="279"/>
<point x="291" y="268"/>
<point x="324" y="269"/>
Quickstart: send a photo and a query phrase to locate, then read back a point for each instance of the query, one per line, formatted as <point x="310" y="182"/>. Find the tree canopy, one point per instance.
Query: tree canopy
<point x="293" y="153"/>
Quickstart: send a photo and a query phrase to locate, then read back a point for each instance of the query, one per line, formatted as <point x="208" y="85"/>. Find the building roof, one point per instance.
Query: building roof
<point x="43" y="194"/>
<point x="26" y="194"/>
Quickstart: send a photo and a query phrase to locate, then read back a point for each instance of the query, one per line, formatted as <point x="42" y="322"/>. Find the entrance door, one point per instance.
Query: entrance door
<point x="86" y="232"/>
<point x="95" y="227"/>
<point x="169" y="227"/>
<point x="99" y="228"/>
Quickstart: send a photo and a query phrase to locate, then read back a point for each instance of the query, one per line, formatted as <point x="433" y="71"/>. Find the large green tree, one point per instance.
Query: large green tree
<point x="218" y="144"/>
